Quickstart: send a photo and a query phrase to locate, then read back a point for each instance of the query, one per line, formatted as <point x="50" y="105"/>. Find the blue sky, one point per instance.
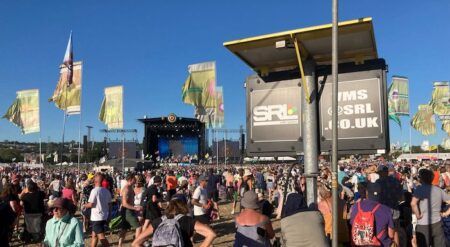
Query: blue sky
<point x="147" y="45"/>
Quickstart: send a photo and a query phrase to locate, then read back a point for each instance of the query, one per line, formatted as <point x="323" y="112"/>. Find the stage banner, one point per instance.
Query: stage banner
<point x="198" y="89"/>
<point x="424" y="121"/>
<point x="441" y="99"/>
<point x="24" y="112"/>
<point x="68" y="96"/>
<point x="111" y="112"/>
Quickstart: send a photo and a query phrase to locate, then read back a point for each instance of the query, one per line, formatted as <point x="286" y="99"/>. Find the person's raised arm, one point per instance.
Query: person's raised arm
<point x="206" y="232"/>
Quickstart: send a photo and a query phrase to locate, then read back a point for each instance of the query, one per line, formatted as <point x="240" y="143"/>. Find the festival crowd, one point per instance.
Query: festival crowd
<point x="380" y="204"/>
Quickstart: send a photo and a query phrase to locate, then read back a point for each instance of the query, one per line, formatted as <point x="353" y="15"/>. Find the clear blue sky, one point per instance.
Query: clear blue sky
<point x="147" y="45"/>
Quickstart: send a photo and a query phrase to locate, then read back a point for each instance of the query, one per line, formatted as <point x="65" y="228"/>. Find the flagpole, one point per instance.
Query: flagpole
<point x="123" y="151"/>
<point x="79" y="140"/>
<point x="62" y="142"/>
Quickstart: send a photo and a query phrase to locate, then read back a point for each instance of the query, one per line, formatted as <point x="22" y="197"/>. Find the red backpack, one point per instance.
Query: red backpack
<point x="363" y="229"/>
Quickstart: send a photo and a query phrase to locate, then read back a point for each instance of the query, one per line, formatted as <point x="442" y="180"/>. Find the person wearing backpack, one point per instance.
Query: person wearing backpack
<point x="150" y="202"/>
<point x="175" y="228"/>
<point x="368" y="214"/>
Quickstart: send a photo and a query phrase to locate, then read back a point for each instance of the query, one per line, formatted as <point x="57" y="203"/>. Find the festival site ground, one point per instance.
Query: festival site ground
<point x="408" y="201"/>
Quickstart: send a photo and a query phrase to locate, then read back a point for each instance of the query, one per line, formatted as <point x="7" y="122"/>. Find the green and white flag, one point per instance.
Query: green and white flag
<point x="424" y="121"/>
<point x="198" y="89"/>
<point x="111" y="112"/>
<point x="24" y="112"/>
<point x="398" y="99"/>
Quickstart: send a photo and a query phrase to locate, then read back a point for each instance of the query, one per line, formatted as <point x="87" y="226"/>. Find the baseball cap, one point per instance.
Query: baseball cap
<point x="373" y="191"/>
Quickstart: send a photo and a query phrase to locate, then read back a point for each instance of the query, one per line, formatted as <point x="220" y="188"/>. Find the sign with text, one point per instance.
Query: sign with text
<point x="273" y="116"/>
<point x="359" y="110"/>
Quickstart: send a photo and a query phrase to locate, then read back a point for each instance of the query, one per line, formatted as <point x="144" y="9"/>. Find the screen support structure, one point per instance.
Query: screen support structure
<point x="310" y="132"/>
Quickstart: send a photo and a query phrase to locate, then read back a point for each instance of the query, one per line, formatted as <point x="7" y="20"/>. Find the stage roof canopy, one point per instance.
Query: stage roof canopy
<point x="356" y="44"/>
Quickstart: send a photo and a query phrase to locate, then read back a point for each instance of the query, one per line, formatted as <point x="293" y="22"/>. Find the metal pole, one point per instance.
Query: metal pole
<point x="225" y="148"/>
<point x="334" y="167"/>
<point x="217" y="151"/>
<point x="310" y="134"/>
<point x="40" y="149"/>
<point x="62" y="144"/>
<point x="123" y="151"/>
<point x="79" y="143"/>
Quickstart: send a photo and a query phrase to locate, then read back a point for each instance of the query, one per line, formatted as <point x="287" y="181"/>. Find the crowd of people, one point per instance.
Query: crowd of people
<point x="380" y="204"/>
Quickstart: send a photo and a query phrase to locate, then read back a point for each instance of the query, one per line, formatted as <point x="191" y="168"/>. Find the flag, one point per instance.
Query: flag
<point x="425" y="146"/>
<point x="68" y="60"/>
<point x="423" y="121"/>
<point x="405" y="147"/>
<point x="68" y="96"/>
<point x="446" y="126"/>
<point x="446" y="143"/>
<point x="205" y="115"/>
<point x="441" y="100"/>
<point x="219" y="110"/>
<point x="198" y="89"/>
<point x="398" y="96"/>
<point x="24" y="112"/>
<point x="111" y="112"/>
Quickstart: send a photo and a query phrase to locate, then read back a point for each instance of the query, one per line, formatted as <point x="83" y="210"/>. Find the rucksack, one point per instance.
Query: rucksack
<point x="168" y="233"/>
<point x="364" y="229"/>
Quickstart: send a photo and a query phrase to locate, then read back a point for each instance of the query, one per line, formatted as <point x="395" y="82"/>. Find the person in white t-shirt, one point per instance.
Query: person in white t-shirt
<point x="99" y="202"/>
<point x="200" y="201"/>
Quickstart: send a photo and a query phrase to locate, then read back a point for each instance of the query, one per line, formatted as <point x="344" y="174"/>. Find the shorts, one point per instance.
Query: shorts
<point x="130" y="220"/>
<point x="98" y="226"/>
<point x="204" y="219"/>
<point x="235" y="196"/>
<point x="214" y="195"/>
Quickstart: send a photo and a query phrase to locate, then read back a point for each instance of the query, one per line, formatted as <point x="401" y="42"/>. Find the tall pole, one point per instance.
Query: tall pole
<point x="123" y="151"/>
<point x="225" y="148"/>
<point x="217" y="151"/>
<point x="62" y="142"/>
<point x="310" y="133"/>
<point x="79" y="142"/>
<point x="334" y="167"/>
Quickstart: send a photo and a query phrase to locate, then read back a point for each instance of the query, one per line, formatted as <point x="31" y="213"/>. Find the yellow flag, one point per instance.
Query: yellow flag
<point x="24" y="112"/>
<point x="198" y="89"/>
<point x="68" y="97"/>
<point x="111" y="112"/>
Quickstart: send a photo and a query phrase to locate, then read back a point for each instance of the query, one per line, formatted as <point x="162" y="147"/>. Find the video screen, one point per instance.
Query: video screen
<point x="175" y="147"/>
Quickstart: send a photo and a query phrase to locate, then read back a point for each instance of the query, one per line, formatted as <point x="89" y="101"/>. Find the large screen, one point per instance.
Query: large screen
<point x="177" y="146"/>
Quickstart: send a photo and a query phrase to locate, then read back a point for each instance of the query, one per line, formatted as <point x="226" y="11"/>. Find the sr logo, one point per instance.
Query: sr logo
<point x="268" y="112"/>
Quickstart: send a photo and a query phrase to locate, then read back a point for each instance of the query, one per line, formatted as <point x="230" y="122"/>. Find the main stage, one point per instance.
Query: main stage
<point x="174" y="138"/>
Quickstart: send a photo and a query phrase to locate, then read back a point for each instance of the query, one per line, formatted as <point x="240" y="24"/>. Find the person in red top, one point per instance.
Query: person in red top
<point x="171" y="182"/>
<point x="437" y="175"/>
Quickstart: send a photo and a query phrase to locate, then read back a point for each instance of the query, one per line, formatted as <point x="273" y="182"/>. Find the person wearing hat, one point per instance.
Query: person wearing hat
<point x="252" y="227"/>
<point x="369" y="201"/>
<point x="200" y="201"/>
<point x="63" y="229"/>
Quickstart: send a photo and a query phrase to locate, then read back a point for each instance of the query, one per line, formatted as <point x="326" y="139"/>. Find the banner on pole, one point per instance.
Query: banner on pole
<point x="24" y="112"/>
<point x="111" y="112"/>
<point x="441" y="100"/>
<point x="424" y="121"/>
<point x="67" y="96"/>
<point x="199" y="87"/>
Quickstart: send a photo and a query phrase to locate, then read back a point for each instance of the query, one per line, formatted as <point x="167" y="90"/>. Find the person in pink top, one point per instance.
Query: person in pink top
<point x="69" y="192"/>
